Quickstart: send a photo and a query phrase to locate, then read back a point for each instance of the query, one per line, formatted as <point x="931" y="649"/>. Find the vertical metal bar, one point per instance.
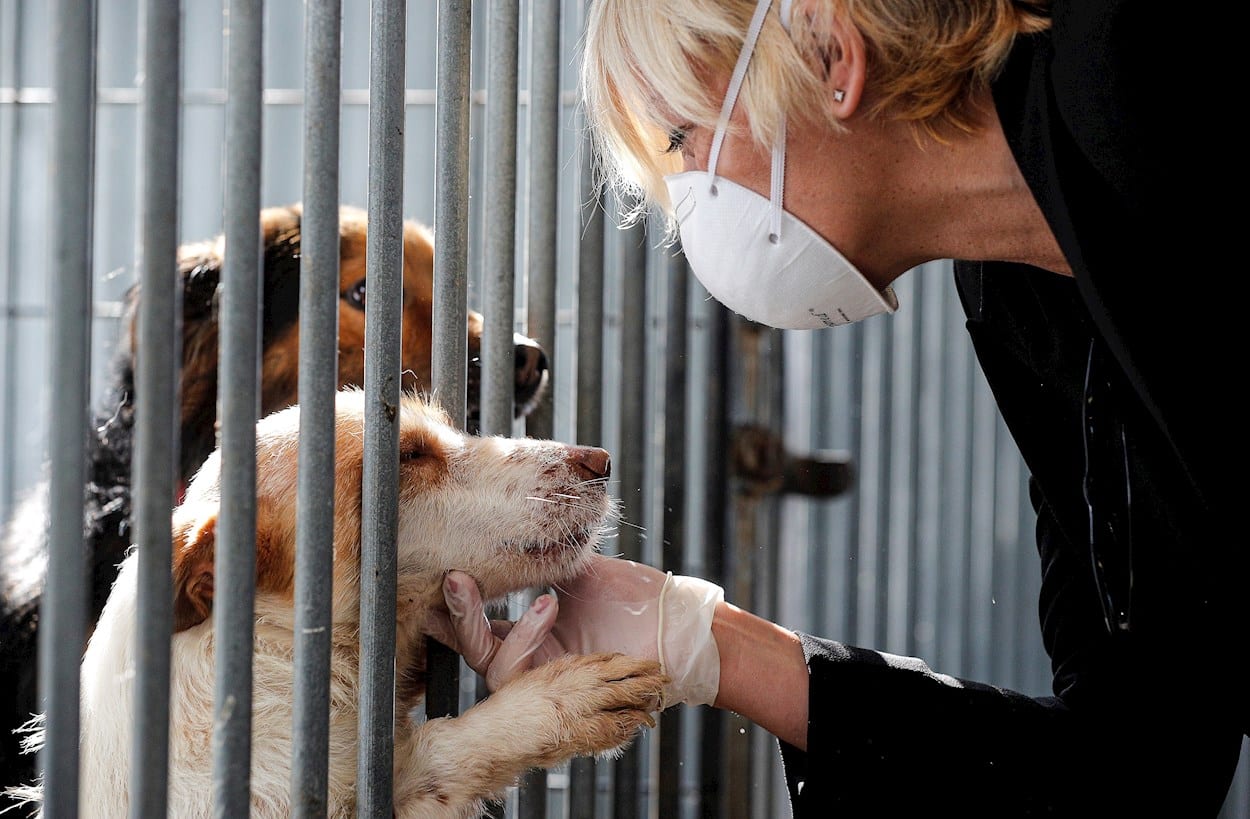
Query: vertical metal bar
<point x="873" y="461"/>
<point x="64" y="608"/>
<point x="674" y="511"/>
<point x="956" y="472"/>
<point x="929" y="462"/>
<point x="498" y="350"/>
<point x="900" y="481"/>
<point x="383" y="317"/>
<point x="816" y="533"/>
<point x="846" y="371"/>
<point x="633" y="455"/>
<point x="544" y="157"/>
<point x="156" y="417"/>
<point x="451" y="274"/>
<point x="238" y="399"/>
<point x="1007" y="652"/>
<point x="755" y="399"/>
<point x="318" y="379"/>
<point x="714" y="725"/>
<point x="544" y="154"/>
<point x="589" y="410"/>
<point x="590" y="309"/>
<point x="499" y="219"/>
<point x="984" y="416"/>
<point x="12" y="176"/>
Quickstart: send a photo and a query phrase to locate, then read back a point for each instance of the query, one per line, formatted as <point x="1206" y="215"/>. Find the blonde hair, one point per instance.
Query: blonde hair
<point x="646" y="65"/>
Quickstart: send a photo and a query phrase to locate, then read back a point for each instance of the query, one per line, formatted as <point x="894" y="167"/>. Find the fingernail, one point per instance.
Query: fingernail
<point x="541" y="604"/>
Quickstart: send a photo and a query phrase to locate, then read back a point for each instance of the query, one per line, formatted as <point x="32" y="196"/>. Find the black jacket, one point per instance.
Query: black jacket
<point x="1118" y="387"/>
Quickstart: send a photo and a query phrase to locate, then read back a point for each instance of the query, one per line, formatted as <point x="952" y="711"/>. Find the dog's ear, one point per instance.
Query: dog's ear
<point x="194" y="556"/>
<point x="193" y="572"/>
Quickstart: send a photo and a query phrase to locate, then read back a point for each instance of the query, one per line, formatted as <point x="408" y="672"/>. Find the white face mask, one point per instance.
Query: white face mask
<point x="753" y="256"/>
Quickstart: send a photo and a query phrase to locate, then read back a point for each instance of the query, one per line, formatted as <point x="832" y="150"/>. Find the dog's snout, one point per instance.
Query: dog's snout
<point x="590" y="462"/>
<point x="531" y="361"/>
<point x="531" y="371"/>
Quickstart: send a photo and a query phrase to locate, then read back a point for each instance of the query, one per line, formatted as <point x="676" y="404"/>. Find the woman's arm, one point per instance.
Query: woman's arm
<point x="763" y="674"/>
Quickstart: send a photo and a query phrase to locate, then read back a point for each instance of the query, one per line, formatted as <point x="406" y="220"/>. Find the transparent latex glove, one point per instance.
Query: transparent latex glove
<point x="613" y="606"/>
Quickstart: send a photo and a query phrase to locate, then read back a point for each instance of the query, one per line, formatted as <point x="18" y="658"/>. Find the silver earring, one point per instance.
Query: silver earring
<point x="838" y="95"/>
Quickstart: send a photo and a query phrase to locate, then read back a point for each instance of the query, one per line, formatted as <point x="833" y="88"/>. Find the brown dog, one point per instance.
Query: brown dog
<point x="23" y="552"/>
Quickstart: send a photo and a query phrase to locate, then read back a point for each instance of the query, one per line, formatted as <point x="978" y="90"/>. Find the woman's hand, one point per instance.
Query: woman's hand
<point x="614" y="606"/>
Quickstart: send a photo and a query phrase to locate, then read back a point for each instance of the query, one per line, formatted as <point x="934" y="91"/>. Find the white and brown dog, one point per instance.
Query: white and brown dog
<point x="513" y="513"/>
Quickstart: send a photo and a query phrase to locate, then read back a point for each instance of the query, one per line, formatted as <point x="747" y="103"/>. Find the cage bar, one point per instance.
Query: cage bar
<point x="156" y="392"/>
<point x="673" y="516"/>
<point x="380" y="502"/>
<point x="627" y="773"/>
<point x="589" y="409"/>
<point x="318" y="380"/>
<point x="451" y="275"/>
<point x="64" y="609"/>
<point x="239" y="402"/>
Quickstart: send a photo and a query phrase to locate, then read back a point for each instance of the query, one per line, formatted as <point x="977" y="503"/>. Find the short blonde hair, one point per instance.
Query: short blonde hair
<point x="646" y="64"/>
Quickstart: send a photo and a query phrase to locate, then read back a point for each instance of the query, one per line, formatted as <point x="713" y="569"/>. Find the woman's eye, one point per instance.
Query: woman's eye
<point x="355" y="295"/>
<point x="676" y="139"/>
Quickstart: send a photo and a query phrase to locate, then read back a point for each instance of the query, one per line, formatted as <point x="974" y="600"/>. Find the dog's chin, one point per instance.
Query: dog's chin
<point x="541" y="561"/>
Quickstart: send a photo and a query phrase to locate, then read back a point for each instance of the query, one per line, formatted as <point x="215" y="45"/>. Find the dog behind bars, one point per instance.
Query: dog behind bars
<point x="23" y="550"/>
<point x="514" y="513"/>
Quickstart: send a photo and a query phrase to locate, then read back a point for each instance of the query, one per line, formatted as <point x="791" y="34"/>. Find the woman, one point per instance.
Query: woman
<point x="809" y="153"/>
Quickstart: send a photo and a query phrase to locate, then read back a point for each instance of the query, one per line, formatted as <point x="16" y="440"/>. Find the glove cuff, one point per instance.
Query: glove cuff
<point x="688" y="652"/>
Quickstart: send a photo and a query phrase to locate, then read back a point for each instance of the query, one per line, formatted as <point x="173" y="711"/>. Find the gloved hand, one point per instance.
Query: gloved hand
<point x="615" y="605"/>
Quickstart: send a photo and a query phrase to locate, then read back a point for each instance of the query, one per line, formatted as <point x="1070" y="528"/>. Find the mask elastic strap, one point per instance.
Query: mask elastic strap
<point x="778" y="183"/>
<point x="735" y="85"/>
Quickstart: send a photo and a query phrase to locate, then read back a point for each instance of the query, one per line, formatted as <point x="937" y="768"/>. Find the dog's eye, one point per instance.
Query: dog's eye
<point x="355" y="295"/>
<point x="411" y="455"/>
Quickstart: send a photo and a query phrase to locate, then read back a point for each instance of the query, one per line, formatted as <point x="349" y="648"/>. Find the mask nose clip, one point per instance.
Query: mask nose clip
<point x="686" y="201"/>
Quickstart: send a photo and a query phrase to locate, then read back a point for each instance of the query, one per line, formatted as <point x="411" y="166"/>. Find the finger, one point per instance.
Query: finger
<point x="515" y="653"/>
<point x="473" y="636"/>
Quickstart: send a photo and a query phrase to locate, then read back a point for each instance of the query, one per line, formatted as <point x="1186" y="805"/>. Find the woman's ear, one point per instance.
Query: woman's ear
<point x="842" y="53"/>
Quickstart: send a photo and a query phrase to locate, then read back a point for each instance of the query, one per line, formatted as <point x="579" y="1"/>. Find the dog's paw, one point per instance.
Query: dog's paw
<point x="600" y="701"/>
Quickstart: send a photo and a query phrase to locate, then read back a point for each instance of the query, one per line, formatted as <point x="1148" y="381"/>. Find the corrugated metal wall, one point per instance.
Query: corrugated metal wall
<point x="932" y="552"/>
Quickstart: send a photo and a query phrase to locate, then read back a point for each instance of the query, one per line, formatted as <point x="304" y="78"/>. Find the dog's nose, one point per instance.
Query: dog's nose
<point x="590" y="462"/>
<point x="531" y="368"/>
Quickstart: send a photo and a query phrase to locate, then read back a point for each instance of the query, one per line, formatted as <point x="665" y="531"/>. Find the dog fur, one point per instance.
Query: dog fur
<point x="106" y="524"/>
<point x="514" y="513"/>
